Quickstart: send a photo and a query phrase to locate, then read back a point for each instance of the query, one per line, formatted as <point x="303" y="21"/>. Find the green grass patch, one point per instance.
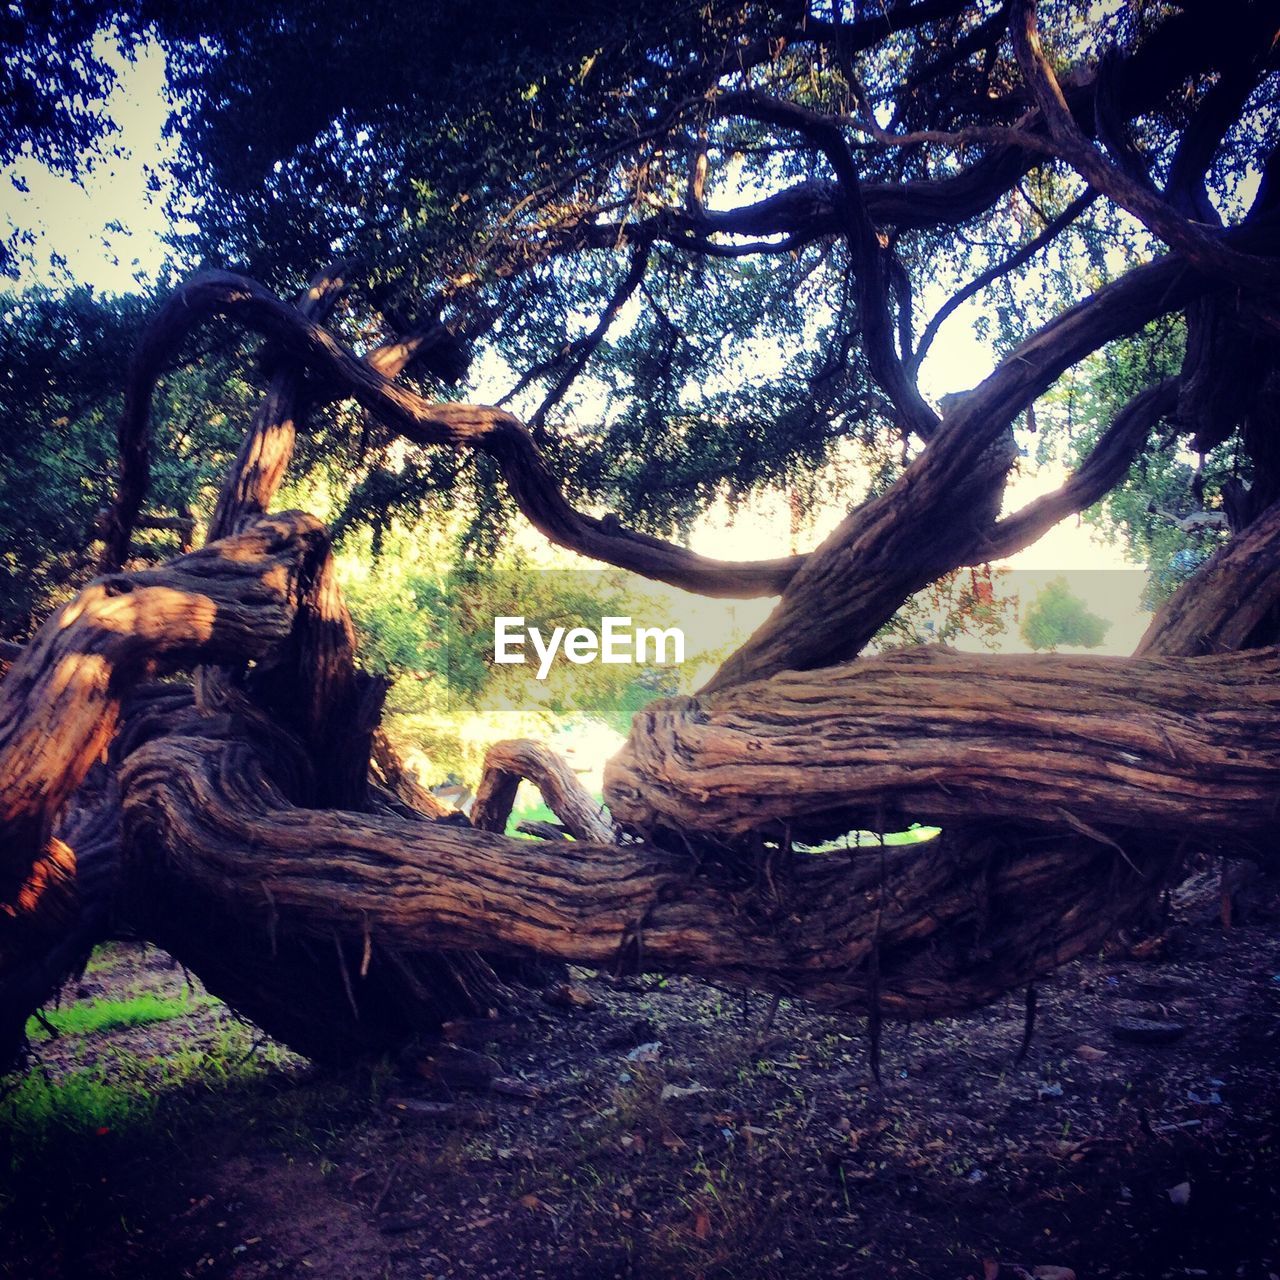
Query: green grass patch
<point x="88" y="1017"/>
<point x="915" y="834"/>
<point x="537" y="812"/>
<point x="81" y="1105"/>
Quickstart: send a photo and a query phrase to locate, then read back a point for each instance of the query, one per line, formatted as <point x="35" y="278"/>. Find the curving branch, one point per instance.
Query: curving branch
<point x="865" y="249"/>
<point x="836" y="598"/>
<point x="260" y="464"/>
<point x="492" y="431"/>
<point x="940" y="512"/>
<point x="1050" y="232"/>
<point x="946" y="929"/>
<point x="508" y="763"/>
<point x="1217" y="111"/>
<point x="390" y="771"/>
<point x="1187" y="43"/>
<point x="1104" y="468"/>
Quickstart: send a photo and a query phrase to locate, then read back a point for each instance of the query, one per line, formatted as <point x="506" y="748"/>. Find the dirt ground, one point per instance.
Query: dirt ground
<point x="670" y="1129"/>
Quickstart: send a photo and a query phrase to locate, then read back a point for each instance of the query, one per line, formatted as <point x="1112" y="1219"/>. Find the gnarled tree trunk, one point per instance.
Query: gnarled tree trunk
<point x="239" y="827"/>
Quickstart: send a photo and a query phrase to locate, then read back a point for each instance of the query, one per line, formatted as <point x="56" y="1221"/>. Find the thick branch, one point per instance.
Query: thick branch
<point x="940" y="512"/>
<point x="265" y="452"/>
<point x="1221" y="606"/>
<point x="1184" y="747"/>
<point x="1101" y="471"/>
<point x="946" y="930"/>
<point x="865" y="250"/>
<point x="1218" y="110"/>
<point x="390" y="770"/>
<point x="508" y="763"/>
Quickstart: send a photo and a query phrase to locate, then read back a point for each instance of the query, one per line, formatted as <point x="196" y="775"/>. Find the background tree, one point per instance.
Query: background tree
<point x="712" y="246"/>
<point x="1057" y="616"/>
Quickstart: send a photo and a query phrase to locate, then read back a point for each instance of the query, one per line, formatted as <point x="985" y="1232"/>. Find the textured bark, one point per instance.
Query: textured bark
<point x="255" y="476"/>
<point x="313" y="687"/>
<point x="389" y="772"/>
<point x="1185" y="747"/>
<point x="335" y="994"/>
<point x="356" y="925"/>
<point x="940" y="929"/>
<point x="1225" y="603"/>
<point x="318" y="924"/>
<point x="508" y="763"/>
<point x="62" y="910"/>
<point x="59" y="703"/>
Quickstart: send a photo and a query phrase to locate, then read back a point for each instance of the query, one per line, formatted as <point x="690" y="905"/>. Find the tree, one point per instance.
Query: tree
<point x="705" y="237"/>
<point x="1057" y="616"/>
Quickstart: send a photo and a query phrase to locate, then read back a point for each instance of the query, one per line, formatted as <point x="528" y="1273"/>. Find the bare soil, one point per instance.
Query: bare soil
<point x="672" y="1129"/>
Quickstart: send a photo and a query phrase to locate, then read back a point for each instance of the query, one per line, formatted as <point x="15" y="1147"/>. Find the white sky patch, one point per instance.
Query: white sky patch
<point x="74" y="218"/>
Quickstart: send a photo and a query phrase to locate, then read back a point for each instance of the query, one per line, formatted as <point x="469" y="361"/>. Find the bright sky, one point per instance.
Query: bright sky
<point x="109" y="230"/>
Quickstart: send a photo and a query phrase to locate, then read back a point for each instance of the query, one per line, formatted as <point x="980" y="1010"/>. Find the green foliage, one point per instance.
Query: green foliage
<point x="1166" y="483"/>
<point x="966" y="602"/>
<point x="62" y="358"/>
<point x="80" y="1106"/>
<point x="87" y="1017"/>
<point x="1058" y="617"/>
<point x="424" y="614"/>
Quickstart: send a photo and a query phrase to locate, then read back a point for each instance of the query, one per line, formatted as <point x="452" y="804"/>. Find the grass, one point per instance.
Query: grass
<point x="530" y="813"/>
<point x="63" y="1133"/>
<point x="88" y="1017"/>
<point x="915" y="834"/>
<point x="95" y="1099"/>
<point x="83" y="1104"/>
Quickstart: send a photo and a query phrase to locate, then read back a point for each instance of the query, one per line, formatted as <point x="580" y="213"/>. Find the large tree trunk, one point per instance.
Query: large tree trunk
<point x="940" y="929"/>
<point x="1177" y="747"/>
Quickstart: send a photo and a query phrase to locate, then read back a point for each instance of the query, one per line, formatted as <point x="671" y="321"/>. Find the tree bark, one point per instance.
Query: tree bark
<point x="1185" y="748"/>
<point x="60" y="702"/>
<point x="320" y="924"/>
<point x="508" y="763"/>
<point x="1223" y="606"/>
<point x="944" y="929"/>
